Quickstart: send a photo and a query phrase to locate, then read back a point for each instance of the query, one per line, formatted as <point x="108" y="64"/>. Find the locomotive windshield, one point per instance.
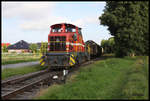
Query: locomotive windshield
<point x="59" y="28"/>
<point x="69" y="29"/>
<point x="56" y="30"/>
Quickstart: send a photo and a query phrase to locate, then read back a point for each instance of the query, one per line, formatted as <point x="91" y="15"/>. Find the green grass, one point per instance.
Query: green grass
<point x="136" y="86"/>
<point x="113" y="78"/>
<point x="20" y="71"/>
<point x="12" y="58"/>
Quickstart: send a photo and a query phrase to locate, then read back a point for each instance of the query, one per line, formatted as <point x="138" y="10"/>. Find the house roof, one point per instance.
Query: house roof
<point x="19" y="45"/>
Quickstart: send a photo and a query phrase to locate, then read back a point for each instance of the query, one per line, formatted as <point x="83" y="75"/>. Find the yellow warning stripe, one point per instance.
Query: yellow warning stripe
<point x="72" y="55"/>
<point x="41" y="60"/>
<point x="42" y="63"/>
<point x="42" y="57"/>
<point x="72" y="61"/>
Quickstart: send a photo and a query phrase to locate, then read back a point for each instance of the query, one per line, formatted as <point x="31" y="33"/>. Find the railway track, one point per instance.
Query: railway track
<point x="24" y="85"/>
<point x="21" y="78"/>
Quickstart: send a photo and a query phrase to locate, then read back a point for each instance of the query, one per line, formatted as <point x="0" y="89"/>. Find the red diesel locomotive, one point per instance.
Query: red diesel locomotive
<point x="66" y="47"/>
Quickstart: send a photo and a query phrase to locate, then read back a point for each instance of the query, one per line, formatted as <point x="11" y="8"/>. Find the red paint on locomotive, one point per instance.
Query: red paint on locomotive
<point x="65" y="38"/>
<point x="66" y="47"/>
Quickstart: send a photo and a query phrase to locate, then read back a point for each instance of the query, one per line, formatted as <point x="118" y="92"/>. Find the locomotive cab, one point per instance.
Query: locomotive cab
<point x="65" y="46"/>
<point x="63" y="37"/>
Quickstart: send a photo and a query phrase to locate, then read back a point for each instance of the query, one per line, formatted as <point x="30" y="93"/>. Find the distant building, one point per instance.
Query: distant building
<point x="19" y="47"/>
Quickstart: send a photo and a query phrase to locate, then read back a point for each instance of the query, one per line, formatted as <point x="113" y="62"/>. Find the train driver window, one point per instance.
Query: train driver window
<point x="73" y="29"/>
<point x="70" y="29"/>
<point x="56" y="30"/>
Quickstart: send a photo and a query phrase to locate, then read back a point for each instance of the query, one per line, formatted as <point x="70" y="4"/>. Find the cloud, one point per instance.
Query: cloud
<point x="83" y="22"/>
<point x="27" y="10"/>
<point x="44" y="24"/>
<point x="38" y="16"/>
<point x="31" y="15"/>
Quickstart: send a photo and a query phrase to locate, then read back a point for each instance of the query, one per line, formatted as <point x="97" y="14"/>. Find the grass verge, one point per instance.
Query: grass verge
<point x="115" y="78"/>
<point x="136" y="85"/>
<point x="12" y="58"/>
<point x="8" y="72"/>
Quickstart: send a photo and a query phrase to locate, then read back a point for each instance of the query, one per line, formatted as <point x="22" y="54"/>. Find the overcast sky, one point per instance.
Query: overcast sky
<point x="31" y="21"/>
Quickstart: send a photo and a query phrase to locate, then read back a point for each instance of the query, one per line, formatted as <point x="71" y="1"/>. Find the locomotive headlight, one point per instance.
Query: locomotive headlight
<point x="55" y="77"/>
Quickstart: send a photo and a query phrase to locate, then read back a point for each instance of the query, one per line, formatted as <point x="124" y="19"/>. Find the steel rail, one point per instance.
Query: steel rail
<point x="22" y="89"/>
<point x="21" y="78"/>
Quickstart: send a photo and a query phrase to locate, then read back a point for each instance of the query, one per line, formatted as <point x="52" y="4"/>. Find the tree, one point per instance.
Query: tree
<point x="104" y="45"/>
<point x="4" y="48"/>
<point x="108" y="45"/>
<point x="33" y="48"/>
<point x="111" y="45"/>
<point x="43" y="48"/>
<point x="128" y="22"/>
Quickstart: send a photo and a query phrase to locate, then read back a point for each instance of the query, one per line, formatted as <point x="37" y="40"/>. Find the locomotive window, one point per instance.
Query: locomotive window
<point x="73" y="30"/>
<point x="56" y="30"/>
<point x="69" y="29"/>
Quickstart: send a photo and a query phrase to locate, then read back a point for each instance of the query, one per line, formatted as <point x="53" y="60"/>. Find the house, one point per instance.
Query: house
<point x="19" y="47"/>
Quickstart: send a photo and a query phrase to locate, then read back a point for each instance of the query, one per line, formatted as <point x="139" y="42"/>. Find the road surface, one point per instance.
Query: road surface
<point x="20" y="64"/>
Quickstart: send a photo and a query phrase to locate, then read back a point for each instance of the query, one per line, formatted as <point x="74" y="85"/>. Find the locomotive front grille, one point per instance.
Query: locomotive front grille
<point x="57" y="43"/>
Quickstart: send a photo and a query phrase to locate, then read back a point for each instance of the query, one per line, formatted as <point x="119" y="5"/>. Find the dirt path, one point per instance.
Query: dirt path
<point x="20" y="64"/>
